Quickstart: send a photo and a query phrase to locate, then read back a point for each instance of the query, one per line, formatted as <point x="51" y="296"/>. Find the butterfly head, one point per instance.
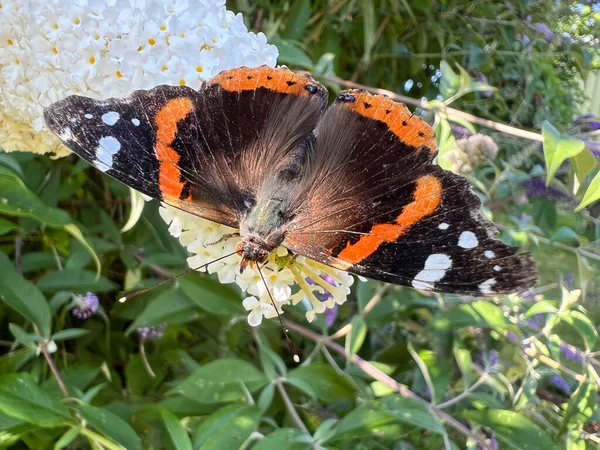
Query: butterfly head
<point x="252" y="252"/>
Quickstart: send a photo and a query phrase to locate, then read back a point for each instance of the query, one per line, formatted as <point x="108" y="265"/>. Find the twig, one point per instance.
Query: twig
<point x="388" y="381"/>
<point x="145" y="359"/>
<point x="292" y="409"/>
<point x="101" y="439"/>
<point x="54" y="369"/>
<point x="450" y="112"/>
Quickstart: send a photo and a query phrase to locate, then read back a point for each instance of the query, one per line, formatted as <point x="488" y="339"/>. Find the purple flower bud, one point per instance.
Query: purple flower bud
<point x="331" y="315"/>
<point x="536" y="187"/>
<point x="460" y="132"/>
<point x="545" y="30"/>
<point x="571" y="354"/>
<point x="85" y="307"/>
<point x="151" y="333"/>
<point x="537" y="321"/>
<point x="561" y="384"/>
<point x="494" y="358"/>
<point x="323" y="297"/>
<point x="527" y="294"/>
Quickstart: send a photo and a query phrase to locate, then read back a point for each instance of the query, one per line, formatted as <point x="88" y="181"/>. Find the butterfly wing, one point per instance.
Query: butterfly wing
<point x="377" y="206"/>
<point x="203" y="151"/>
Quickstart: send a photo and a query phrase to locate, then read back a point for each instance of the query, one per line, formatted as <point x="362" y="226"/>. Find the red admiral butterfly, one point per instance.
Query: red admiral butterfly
<point x="352" y="186"/>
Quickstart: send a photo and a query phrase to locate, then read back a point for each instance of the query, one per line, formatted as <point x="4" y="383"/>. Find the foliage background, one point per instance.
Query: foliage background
<point x="513" y="372"/>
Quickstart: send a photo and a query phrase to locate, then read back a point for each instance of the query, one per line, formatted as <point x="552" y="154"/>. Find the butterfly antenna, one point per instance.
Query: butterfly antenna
<point x="291" y="346"/>
<point x="168" y="280"/>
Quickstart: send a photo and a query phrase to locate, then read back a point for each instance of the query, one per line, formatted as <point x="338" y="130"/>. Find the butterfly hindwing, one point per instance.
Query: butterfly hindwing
<point x="205" y="151"/>
<point x="377" y="206"/>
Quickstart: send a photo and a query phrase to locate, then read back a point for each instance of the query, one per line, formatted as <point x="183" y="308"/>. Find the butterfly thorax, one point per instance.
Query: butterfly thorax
<point x="261" y="231"/>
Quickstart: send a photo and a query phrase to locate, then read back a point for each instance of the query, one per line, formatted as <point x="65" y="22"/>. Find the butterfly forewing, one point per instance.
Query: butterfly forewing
<point x="377" y="206"/>
<point x="206" y="152"/>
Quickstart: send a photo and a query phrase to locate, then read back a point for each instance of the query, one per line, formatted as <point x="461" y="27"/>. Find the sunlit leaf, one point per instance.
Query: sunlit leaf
<point x="110" y="425"/>
<point x="513" y="429"/>
<point x="221" y="381"/>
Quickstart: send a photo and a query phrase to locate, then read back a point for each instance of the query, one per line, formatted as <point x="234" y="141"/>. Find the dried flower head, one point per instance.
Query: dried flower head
<point x="471" y="152"/>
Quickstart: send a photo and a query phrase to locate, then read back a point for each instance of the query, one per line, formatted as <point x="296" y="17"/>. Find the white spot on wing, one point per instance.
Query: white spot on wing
<point x="497" y="268"/>
<point x="434" y="270"/>
<point x="136" y="122"/>
<point x="489" y="254"/>
<point x="88" y="116"/>
<point x="73" y="120"/>
<point x="107" y="148"/>
<point x="443" y="226"/>
<point x="66" y="134"/>
<point x="468" y="239"/>
<point x="486" y="286"/>
<point x="110" y="118"/>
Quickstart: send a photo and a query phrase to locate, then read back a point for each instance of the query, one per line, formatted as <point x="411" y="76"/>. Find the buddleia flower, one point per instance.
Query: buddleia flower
<point x="54" y="48"/>
<point x="288" y="279"/>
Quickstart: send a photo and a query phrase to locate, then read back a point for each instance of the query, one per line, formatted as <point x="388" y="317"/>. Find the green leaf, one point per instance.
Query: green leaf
<point x="298" y="16"/>
<point x="356" y="337"/>
<point x="583" y="163"/>
<point x="584" y="326"/>
<point x="371" y="416"/>
<point x="291" y="54"/>
<point x="580" y="408"/>
<point x="541" y="308"/>
<point x="284" y="438"/>
<point x="22" y="398"/>
<point x="557" y="148"/>
<point x="137" y="208"/>
<point x="478" y="314"/>
<point x="514" y="429"/>
<point x="6" y="226"/>
<point x="271" y="363"/>
<point x="592" y="193"/>
<point x="450" y="82"/>
<point x="163" y="308"/>
<point x="17" y="200"/>
<point x="210" y="295"/>
<point x="70" y="333"/>
<point x="80" y="281"/>
<point x="68" y="438"/>
<point x="221" y="381"/>
<point x="74" y="231"/>
<point x="321" y="381"/>
<point x="228" y="428"/>
<point x="110" y="425"/>
<point x="23" y="296"/>
<point x="565" y="235"/>
<point x="369" y="29"/>
<point x="176" y="430"/>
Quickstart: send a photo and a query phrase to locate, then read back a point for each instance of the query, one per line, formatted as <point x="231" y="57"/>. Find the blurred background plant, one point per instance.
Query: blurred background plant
<point x="179" y="366"/>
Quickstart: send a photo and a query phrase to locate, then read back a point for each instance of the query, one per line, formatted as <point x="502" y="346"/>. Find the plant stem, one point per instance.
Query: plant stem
<point x="101" y="439"/>
<point x="53" y="368"/>
<point x="292" y="409"/>
<point x="388" y="381"/>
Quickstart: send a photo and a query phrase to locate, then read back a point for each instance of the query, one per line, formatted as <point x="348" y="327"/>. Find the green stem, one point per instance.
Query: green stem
<point x="95" y="437"/>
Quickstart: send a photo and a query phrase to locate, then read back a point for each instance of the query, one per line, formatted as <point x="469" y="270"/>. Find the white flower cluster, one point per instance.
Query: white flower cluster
<point x="108" y="48"/>
<point x="320" y="286"/>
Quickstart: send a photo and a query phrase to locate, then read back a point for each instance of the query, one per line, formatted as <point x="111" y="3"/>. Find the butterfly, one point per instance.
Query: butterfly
<point x="352" y="185"/>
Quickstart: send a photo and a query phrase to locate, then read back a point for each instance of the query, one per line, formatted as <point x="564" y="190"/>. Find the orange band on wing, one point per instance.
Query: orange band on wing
<point x="166" y="127"/>
<point x="411" y="130"/>
<point x="428" y="196"/>
<point x="249" y="79"/>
